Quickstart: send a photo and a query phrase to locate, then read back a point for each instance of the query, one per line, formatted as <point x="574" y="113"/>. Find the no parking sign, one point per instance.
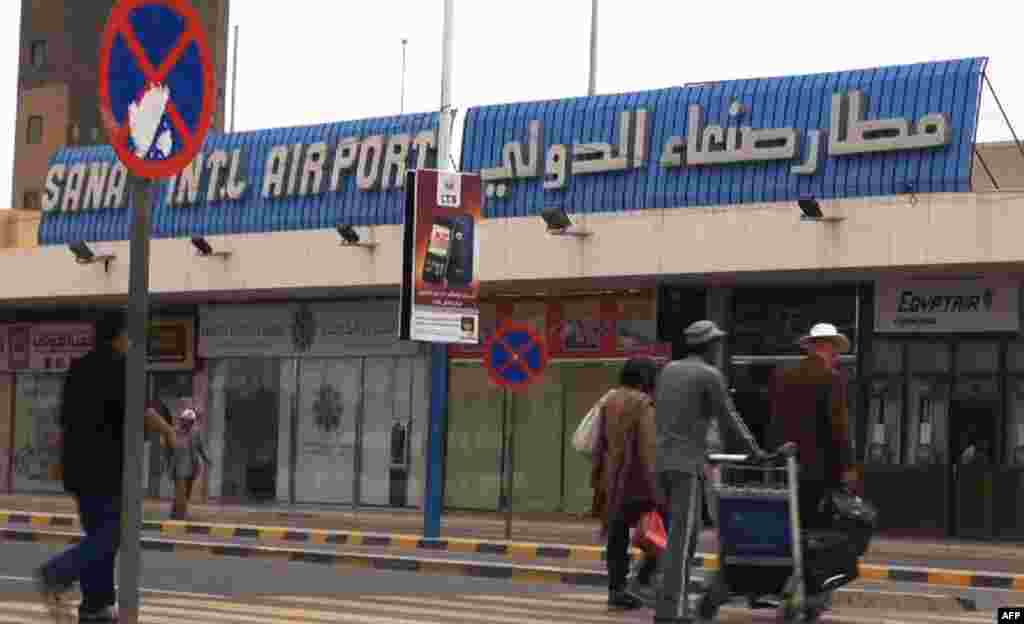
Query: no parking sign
<point x="157" y="89"/>
<point x="515" y="356"/>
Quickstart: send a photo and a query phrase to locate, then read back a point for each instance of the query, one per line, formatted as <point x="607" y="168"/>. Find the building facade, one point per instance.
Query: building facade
<point x="687" y="199"/>
<point x="58" y="83"/>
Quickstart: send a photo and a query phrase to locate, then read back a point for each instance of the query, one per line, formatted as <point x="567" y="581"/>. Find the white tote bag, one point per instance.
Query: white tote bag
<point x="585" y="438"/>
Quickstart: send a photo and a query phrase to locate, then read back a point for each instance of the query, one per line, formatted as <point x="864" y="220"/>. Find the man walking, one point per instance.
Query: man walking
<point x="92" y="421"/>
<point x="809" y="407"/>
<point x="691" y="398"/>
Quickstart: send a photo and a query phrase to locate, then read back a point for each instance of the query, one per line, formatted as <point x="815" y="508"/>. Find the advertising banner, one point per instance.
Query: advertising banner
<point x="43" y="347"/>
<point x="976" y="305"/>
<point x="440" y="283"/>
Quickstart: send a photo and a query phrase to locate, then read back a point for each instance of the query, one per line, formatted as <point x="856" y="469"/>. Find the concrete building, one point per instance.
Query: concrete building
<point x="58" y="84"/>
<point x="917" y="261"/>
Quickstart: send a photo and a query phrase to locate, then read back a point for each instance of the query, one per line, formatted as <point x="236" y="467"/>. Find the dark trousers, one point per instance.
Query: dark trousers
<point x="683" y="492"/>
<point x="811" y="493"/>
<point x="91" y="562"/>
<point x="617" y="554"/>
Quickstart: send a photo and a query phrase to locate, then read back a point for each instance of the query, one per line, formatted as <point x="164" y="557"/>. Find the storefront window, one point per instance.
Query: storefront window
<point x="1015" y="422"/>
<point x="929" y="357"/>
<point x="885" y="409"/>
<point x="1015" y="357"/>
<point x="974" y="420"/>
<point x="973" y="356"/>
<point x="37" y="432"/>
<point x="770" y="321"/>
<point x="886" y="357"/>
<point x="927" y="438"/>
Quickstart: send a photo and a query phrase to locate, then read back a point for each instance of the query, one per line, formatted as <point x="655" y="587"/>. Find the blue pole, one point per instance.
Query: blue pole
<point x="434" y="496"/>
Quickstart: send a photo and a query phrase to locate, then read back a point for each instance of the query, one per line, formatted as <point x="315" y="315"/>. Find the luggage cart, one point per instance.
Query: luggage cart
<point x="761" y="554"/>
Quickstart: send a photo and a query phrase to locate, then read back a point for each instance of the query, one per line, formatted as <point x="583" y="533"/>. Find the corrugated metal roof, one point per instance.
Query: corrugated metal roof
<point x="253" y="213"/>
<point x="800" y="102"/>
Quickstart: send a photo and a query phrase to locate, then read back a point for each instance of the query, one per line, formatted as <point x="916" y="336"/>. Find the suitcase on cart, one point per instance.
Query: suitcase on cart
<point x="761" y="557"/>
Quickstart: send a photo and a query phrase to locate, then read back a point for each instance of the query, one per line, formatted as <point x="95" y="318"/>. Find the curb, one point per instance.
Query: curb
<point x="842" y="598"/>
<point x="518" y="551"/>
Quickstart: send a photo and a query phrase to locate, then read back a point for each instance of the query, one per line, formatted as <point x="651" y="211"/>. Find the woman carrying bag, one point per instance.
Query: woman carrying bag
<point x="625" y="492"/>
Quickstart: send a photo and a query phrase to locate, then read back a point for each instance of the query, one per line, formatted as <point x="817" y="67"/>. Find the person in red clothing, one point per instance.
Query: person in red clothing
<point x="809" y="407"/>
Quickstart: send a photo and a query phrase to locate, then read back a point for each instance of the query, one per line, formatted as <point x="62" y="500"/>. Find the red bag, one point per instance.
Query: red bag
<point x="650" y="533"/>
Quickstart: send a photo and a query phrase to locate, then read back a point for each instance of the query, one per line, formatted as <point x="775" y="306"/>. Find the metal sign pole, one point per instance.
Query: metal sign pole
<point x="444" y="129"/>
<point x="592" y="81"/>
<point x="129" y="566"/>
<point x="510" y="475"/>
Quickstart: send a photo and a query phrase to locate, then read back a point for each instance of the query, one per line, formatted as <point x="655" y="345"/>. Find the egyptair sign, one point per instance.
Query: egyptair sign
<point x="947" y="306"/>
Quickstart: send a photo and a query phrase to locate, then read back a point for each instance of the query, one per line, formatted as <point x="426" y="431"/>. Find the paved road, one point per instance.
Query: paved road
<point x="454" y="608"/>
<point x="180" y="589"/>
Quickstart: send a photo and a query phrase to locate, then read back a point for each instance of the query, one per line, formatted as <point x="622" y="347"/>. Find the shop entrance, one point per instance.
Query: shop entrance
<point x="974" y="418"/>
<point x="251" y="416"/>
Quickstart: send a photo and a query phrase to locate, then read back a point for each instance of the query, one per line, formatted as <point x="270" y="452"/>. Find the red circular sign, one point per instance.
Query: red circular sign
<point x="515" y="356"/>
<point x="119" y="131"/>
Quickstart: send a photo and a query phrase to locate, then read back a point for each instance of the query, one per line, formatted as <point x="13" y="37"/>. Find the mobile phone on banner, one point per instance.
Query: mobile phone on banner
<point x="436" y="265"/>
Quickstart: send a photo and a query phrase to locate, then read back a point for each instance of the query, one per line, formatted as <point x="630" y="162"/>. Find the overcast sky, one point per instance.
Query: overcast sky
<point x="313" y="61"/>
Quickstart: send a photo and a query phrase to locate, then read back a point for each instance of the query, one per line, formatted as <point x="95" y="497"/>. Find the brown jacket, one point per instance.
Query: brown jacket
<point x="624" y="462"/>
<point x="798" y="414"/>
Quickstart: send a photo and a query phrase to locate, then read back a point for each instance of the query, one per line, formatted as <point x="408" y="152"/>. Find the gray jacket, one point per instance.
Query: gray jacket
<point x="692" y="408"/>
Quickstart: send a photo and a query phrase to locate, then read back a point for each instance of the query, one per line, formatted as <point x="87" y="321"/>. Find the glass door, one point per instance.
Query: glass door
<point x="973" y="444"/>
<point x="390" y="430"/>
<point x="325" y="428"/>
<point x="250" y="411"/>
<point x="1009" y="516"/>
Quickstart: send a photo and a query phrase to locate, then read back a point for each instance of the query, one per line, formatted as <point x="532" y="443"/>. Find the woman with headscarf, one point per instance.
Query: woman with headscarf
<point x="184" y="462"/>
<point x="623" y="475"/>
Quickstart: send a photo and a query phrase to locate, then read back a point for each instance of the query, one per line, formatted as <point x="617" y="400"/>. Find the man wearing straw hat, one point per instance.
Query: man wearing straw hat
<point x="692" y="399"/>
<point x="809" y="407"/>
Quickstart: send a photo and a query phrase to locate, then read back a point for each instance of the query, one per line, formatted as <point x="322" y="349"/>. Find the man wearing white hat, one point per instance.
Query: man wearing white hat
<point x="809" y="407"/>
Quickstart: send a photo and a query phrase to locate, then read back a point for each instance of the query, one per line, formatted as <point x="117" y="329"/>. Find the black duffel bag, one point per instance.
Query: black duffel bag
<point x="851" y="515"/>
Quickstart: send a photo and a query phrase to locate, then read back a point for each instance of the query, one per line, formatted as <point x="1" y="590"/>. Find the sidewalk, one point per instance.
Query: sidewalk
<point x="563" y="529"/>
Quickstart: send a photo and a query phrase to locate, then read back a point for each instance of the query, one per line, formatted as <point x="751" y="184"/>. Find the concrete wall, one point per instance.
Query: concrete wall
<point x="937" y="230"/>
<point x="51" y="102"/>
<point x="19" y="228"/>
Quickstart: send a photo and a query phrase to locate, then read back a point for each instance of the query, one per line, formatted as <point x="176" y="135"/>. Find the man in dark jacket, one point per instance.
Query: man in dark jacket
<point x="92" y="421"/>
<point x="809" y="407"/>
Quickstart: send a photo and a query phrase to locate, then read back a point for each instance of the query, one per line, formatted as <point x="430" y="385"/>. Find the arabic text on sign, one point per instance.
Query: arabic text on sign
<point x="715" y="145"/>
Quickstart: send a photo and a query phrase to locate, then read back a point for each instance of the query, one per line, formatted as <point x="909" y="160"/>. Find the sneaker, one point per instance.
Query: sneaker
<point x="645" y="591"/>
<point x="106" y="614"/>
<point x="624" y="600"/>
